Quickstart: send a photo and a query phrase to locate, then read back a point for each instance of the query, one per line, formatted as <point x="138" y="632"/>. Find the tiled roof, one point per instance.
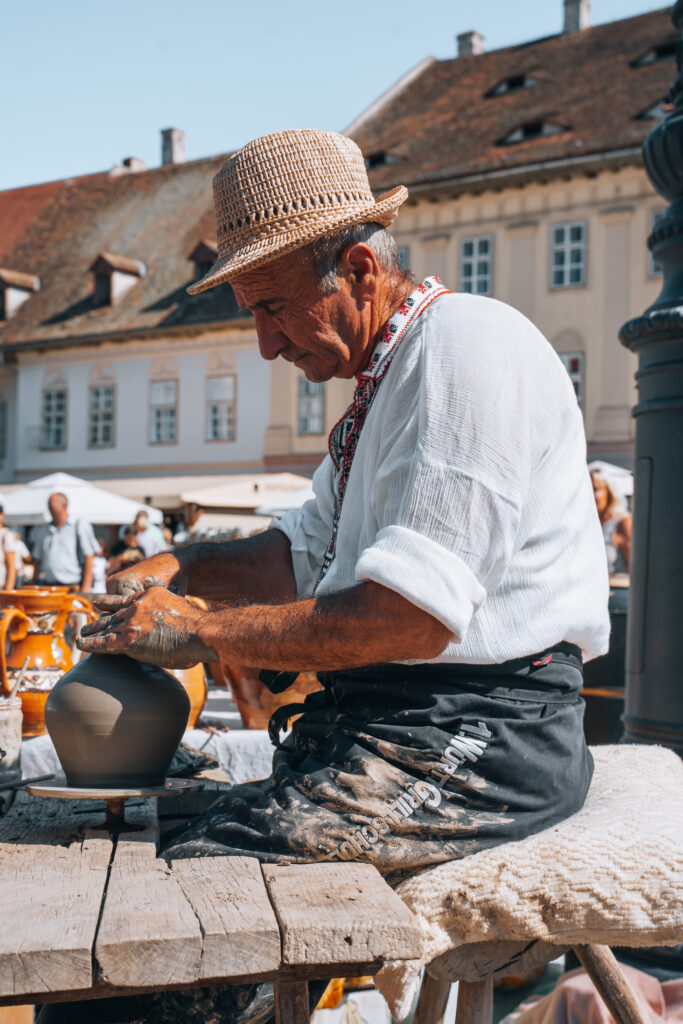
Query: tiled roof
<point x="444" y="125"/>
<point x="154" y="217"/>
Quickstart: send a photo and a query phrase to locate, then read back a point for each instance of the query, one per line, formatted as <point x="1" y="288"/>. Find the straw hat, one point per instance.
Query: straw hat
<point x="284" y="190"/>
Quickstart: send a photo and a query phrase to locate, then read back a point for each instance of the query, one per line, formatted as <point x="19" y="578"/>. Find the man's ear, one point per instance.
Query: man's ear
<point x="361" y="269"/>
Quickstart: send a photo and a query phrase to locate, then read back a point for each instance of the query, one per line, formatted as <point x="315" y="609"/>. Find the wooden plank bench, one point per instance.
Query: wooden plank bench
<point x="86" y="914"/>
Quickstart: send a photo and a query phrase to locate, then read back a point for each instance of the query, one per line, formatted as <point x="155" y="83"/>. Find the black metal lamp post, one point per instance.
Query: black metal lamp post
<point x="654" y="659"/>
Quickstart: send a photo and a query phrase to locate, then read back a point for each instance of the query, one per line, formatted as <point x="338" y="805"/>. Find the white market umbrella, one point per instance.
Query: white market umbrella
<point x="248" y="492"/>
<point x="28" y="505"/>
<point x="294" y="500"/>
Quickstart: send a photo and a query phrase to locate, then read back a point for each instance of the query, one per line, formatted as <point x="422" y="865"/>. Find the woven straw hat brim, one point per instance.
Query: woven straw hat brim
<point x="273" y="246"/>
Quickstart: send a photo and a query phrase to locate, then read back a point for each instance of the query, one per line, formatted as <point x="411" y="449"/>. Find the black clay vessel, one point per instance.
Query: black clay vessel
<point x="116" y="722"/>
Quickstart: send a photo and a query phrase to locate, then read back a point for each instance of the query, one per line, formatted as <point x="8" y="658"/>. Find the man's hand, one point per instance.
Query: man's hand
<point x="162" y="570"/>
<point x="151" y="625"/>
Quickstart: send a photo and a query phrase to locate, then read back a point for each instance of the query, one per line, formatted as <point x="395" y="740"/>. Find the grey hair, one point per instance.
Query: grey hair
<point x="325" y="253"/>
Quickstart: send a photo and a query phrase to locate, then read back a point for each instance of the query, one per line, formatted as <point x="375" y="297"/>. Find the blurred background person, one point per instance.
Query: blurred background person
<point x="125" y="552"/>
<point x="23" y="560"/>
<point x="150" y="537"/>
<point x="99" y="570"/>
<point x="64" y="549"/>
<point x="615" y="522"/>
<point x="8" y="565"/>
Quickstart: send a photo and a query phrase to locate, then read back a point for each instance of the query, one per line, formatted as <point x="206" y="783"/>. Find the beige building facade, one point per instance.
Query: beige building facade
<point x="613" y="210"/>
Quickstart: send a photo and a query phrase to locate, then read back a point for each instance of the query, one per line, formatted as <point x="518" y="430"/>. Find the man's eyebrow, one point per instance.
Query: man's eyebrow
<point x="261" y="304"/>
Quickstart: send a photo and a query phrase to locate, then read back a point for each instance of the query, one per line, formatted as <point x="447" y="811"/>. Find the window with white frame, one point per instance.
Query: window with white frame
<point x="568" y="254"/>
<point x="220" y="408"/>
<point x="476" y="264"/>
<point x="53" y="418"/>
<point x="653" y="268"/>
<point x="163" y="412"/>
<point x="101" y="413"/>
<point x="311" y="407"/>
<point x="573" y="364"/>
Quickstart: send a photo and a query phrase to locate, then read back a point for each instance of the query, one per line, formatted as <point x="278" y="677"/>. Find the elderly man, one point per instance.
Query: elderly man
<point x="446" y="581"/>
<point x="64" y="549"/>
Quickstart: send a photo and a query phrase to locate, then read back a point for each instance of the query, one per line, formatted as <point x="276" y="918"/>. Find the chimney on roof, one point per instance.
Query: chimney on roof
<point x="577" y="15"/>
<point x="470" y="44"/>
<point x="172" y="146"/>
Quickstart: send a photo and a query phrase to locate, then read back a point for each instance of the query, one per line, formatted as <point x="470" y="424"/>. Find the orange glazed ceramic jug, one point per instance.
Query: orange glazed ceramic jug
<point x="33" y="645"/>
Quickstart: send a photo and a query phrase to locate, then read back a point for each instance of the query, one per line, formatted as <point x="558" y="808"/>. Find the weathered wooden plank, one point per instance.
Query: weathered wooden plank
<point x="291" y="1002"/>
<point x="340" y="913"/>
<point x="148" y="933"/>
<point x="229" y="898"/>
<point x="51" y="886"/>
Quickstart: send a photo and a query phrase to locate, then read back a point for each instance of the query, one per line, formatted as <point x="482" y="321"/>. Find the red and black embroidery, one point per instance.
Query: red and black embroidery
<point x="345" y="435"/>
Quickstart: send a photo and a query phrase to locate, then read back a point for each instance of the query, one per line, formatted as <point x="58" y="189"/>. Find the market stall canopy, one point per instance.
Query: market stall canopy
<point x="28" y="505"/>
<point x="247" y="492"/>
<point x="162" y="492"/>
<point x="218" y="524"/>
<point x="294" y="500"/>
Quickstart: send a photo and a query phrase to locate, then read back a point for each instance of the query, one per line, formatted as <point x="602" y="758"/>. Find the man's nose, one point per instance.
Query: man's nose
<point x="271" y="340"/>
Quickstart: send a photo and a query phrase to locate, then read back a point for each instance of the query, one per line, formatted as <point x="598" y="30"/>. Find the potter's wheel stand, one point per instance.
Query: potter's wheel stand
<point x="115" y="799"/>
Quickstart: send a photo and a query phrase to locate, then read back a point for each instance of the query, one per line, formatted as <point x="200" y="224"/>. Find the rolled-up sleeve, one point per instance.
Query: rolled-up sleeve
<point x="309" y="529"/>
<point x="449" y="488"/>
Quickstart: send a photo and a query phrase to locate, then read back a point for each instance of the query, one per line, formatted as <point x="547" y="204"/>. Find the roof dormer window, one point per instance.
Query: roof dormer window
<point x="530" y="131"/>
<point x="664" y="51"/>
<point x="380" y="159"/>
<point x="114" y="277"/>
<point x="203" y="256"/>
<point x="15" y="289"/>
<point x="515" y="83"/>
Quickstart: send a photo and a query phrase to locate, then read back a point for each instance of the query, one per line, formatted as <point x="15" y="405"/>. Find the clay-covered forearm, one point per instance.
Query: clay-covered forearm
<point x="246" y="571"/>
<point x="367" y="624"/>
<point x="254" y="569"/>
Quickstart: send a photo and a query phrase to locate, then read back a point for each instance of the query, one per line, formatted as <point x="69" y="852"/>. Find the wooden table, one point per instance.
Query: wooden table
<point x="87" y="914"/>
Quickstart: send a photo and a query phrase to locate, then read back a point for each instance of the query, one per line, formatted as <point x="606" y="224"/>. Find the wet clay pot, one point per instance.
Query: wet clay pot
<point x="116" y="722"/>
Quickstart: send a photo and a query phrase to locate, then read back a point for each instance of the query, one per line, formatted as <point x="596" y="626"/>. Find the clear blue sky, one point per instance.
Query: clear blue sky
<point x="87" y="83"/>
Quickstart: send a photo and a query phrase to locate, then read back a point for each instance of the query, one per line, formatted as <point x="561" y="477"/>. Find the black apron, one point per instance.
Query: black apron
<point x="410" y="765"/>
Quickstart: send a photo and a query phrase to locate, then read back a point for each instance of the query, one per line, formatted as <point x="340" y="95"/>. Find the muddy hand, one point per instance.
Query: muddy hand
<point x="162" y="570"/>
<point x="153" y="625"/>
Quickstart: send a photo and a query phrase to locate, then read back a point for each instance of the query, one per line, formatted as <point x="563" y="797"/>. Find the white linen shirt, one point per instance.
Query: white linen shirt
<point x="469" y="492"/>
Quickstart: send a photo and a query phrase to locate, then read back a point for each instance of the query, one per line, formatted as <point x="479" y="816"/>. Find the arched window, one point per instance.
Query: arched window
<point x="102" y="408"/>
<point x="570" y="348"/>
<point x="54" y="408"/>
<point x="311" y="407"/>
<point x="221" y="399"/>
<point x="163" y="403"/>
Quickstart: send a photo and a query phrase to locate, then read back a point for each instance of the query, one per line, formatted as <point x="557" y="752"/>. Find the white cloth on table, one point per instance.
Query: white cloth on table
<point x="469" y="492"/>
